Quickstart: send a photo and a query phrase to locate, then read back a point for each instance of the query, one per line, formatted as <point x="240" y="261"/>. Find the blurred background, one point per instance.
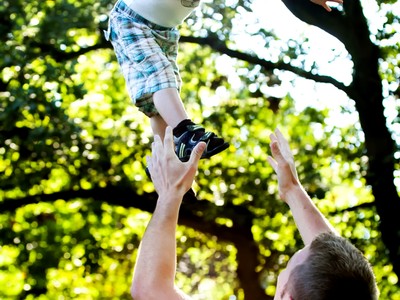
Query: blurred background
<point x="74" y="196"/>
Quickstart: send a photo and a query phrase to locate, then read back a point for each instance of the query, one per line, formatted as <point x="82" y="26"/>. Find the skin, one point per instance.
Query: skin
<point x="298" y="258"/>
<point x="324" y="4"/>
<point x="308" y="218"/>
<point x="156" y="262"/>
<point x="169" y="104"/>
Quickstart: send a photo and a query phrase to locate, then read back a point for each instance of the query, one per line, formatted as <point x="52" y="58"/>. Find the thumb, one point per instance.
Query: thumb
<point x="197" y="153"/>
<point x="273" y="163"/>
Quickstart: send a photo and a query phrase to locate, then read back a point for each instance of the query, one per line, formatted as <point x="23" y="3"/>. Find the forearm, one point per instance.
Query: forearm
<point x="309" y="220"/>
<point x="156" y="262"/>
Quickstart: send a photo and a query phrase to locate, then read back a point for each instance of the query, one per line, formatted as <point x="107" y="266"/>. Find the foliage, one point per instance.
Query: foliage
<point x="67" y="125"/>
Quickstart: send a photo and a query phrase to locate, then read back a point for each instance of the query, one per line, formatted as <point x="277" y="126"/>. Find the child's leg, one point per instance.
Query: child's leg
<point x="147" y="55"/>
<point x="186" y="133"/>
<point x="158" y="126"/>
<point x="170" y="109"/>
<point x="169" y="106"/>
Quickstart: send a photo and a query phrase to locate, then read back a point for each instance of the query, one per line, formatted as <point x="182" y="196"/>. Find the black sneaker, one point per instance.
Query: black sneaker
<point x="190" y="194"/>
<point x="194" y="134"/>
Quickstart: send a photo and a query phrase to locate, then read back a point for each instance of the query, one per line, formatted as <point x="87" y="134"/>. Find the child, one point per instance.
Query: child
<point x="145" y="39"/>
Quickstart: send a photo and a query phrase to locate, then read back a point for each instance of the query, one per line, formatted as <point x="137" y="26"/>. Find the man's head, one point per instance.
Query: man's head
<point x="329" y="268"/>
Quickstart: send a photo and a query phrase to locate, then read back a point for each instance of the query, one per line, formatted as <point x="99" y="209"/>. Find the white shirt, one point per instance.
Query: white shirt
<point x="167" y="13"/>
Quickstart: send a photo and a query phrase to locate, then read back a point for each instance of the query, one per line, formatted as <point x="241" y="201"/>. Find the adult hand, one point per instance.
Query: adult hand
<point x="282" y="161"/>
<point x="170" y="176"/>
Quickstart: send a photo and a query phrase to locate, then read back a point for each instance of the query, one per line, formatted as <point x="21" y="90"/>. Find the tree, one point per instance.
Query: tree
<point x="367" y="92"/>
<point x="73" y="187"/>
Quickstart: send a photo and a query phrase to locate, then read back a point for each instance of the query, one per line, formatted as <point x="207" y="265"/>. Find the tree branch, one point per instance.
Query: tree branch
<point x="211" y="41"/>
<point x="216" y="44"/>
<point x="238" y="235"/>
<point x="61" y="56"/>
<point x="334" y="22"/>
<point x="127" y="197"/>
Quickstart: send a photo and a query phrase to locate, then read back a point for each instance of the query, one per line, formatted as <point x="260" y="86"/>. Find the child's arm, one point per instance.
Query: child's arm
<point x="324" y="4"/>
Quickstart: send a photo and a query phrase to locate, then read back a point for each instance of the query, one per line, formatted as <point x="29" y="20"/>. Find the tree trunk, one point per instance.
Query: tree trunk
<point x="351" y="28"/>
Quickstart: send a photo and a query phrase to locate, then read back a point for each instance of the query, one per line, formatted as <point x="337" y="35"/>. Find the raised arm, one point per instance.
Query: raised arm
<point x="155" y="268"/>
<point x="308" y="218"/>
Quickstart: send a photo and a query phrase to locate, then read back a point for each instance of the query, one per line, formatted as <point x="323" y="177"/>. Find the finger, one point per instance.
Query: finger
<point x="327" y="7"/>
<point x="157" y="141"/>
<point x="149" y="164"/>
<point x="283" y="143"/>
<point x="169" y="141"/>
<point x="153" y="149"/>
<point x="156" y="154"/>
<point x="157" y="146"/>
<point x="148" y="161"/>
<point x="272" y="137"/>
<point x="278" y="133"/>
<point x="280" y="138"/>
<point x="272" y="162"/>
<point x="276" y="152"/>
<point x="197" y="153"/>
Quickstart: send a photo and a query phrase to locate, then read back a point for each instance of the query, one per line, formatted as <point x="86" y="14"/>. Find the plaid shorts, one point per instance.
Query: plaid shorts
<point x="146" y="53"/>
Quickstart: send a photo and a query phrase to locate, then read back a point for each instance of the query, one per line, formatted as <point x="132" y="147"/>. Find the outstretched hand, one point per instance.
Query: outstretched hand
<point x="282" y="161"/>
<point x="168" y="173"/>
<point x="324" y="4"/>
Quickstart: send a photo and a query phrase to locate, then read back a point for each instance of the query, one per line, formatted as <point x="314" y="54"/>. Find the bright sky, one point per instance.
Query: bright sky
<point x="328" y="53"/>
<point x="274" y="15"/>
<point x="336" y="63"/>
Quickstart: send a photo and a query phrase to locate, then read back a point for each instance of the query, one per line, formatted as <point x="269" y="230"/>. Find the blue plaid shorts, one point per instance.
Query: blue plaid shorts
<point x="146" y="53"/>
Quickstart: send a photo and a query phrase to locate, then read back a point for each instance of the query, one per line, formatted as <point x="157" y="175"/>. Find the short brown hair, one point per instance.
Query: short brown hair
<point x="335" y="269"/>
